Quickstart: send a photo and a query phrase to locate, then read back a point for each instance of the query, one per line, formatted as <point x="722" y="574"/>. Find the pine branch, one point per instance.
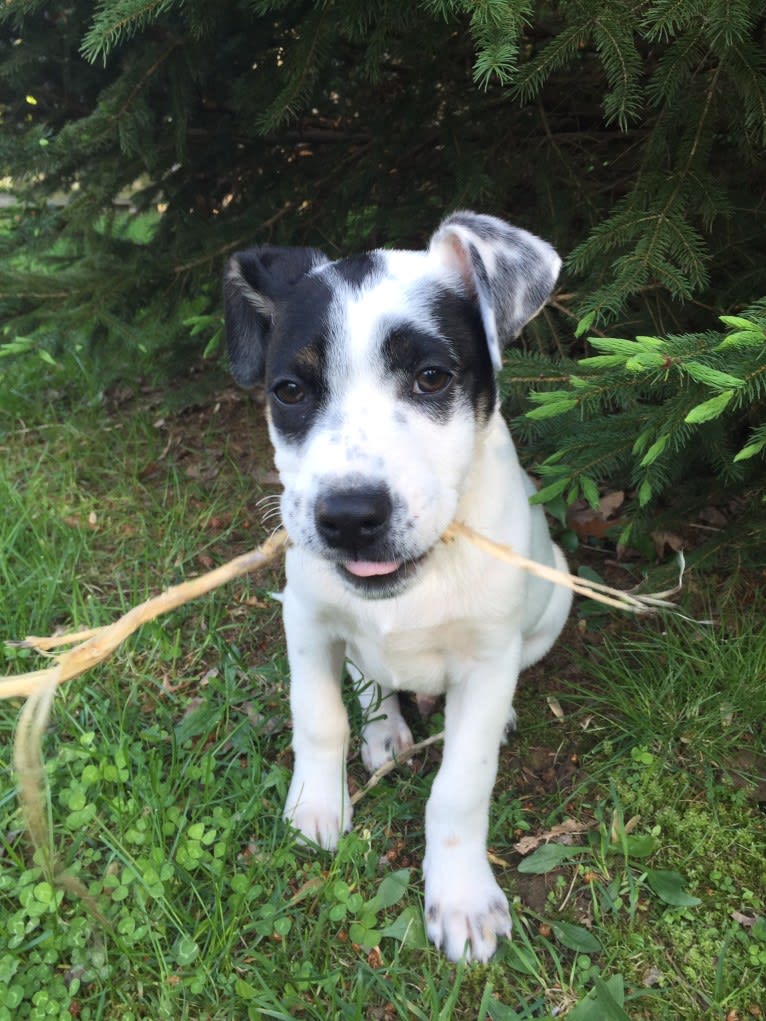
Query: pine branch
<point x="651" y="410"/>
<point x="613" y="37"/>
<point x="116" y="21"/>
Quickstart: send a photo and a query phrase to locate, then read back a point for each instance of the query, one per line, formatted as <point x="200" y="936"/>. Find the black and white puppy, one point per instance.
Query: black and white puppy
<point x="383" y="410"/>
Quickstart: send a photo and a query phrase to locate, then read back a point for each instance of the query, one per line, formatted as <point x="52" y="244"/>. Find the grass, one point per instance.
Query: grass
<point x="168" y="766"/>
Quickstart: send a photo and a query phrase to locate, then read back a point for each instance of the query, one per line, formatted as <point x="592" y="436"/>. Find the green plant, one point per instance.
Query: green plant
<point x="168" y="767"/>
<point x="144" y="142"/>
<point x="661" y="416"/>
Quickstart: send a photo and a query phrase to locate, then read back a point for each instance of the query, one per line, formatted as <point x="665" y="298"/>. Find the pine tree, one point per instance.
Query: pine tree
<point x="633" y="137"/>
<point x="144" y="140"/>
<point x="673" y="419"/>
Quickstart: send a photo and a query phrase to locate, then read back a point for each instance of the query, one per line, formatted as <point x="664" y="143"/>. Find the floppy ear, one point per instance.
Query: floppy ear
<point x="253" y="283"/>
<point x="508" y="272"/>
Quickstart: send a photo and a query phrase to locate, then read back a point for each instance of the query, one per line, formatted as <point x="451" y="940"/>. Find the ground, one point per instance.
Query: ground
<point x="628" y="819"/>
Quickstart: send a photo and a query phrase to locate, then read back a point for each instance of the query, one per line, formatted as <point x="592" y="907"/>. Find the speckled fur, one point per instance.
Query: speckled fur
<point x="340" y="347"/>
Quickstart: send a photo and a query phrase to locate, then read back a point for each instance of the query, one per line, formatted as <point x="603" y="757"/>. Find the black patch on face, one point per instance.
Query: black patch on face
<point x="408" y="350"/>
<point x="459" y="347"/>
<point x="297" y="354"/>
<point x="458" y="321"/>
<point x="359" y="270"/>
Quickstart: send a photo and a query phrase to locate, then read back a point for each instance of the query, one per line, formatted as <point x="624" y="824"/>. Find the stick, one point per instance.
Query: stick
<point x="101" y="642"/>
<point x="391" y="765"/>
<point x="582" y="586"/>
<point x="94" y="646"/>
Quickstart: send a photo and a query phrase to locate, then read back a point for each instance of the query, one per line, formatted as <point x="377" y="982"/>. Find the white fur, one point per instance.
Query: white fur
<point x="464" y="628"/>
<point x="467" y="623"/>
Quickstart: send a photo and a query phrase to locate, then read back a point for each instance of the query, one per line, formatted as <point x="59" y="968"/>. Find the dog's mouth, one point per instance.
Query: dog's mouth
<point x="379" y="578"/>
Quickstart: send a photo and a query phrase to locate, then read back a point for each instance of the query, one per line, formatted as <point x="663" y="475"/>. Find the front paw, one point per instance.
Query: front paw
<point x="466" y="911"/>
<point x="320" y="812"/>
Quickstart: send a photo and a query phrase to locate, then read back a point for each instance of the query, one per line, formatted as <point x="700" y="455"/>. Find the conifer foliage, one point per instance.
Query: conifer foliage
<point x="680" y="416"/>
<point x="143" y="140"/>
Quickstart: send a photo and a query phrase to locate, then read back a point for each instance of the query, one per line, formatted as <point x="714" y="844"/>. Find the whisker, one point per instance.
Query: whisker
<point x="273" y="532"/>
<point x="268" y="498"/>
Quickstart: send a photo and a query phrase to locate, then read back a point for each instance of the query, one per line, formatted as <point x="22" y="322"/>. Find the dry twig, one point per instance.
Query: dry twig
<point x="93" y="646"/>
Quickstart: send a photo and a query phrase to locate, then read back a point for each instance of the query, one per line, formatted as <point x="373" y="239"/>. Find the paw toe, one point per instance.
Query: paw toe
<point x="468" y="927"/>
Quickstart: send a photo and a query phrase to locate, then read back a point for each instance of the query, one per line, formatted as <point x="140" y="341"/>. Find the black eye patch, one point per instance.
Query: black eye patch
<point x="459" y="321"/>
<point x="419" y="358"/>
<point x="423" y="365"/>
<point x="296" y="365"/>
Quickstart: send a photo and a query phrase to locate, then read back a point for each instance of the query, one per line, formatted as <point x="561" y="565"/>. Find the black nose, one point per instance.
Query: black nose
<point x="353" y="519"/>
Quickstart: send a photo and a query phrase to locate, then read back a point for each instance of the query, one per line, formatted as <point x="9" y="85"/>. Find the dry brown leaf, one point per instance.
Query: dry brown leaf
<point x="666" y="540"/>
<point x="562" y="833"/>
<point x="713" y="517"/>
<point x="555" y="707"/>
<point x="748" y="921"/>
<point x="611" y="502"/>
<point x="593" y="523"/>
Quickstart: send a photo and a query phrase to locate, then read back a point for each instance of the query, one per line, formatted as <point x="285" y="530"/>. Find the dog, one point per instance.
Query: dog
<point x="382" y="406"/>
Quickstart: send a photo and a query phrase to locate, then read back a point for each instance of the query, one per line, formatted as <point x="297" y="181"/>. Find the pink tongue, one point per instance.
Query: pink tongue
<point x="369" y="568"/>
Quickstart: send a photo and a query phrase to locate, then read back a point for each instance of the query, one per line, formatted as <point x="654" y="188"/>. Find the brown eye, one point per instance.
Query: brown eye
<point x="289" y="392"/>
<point x="431" y="381"/>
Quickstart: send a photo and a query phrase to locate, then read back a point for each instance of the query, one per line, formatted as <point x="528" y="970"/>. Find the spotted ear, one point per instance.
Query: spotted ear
<point x="507" y="271"/>
<point x="254" y="282"/>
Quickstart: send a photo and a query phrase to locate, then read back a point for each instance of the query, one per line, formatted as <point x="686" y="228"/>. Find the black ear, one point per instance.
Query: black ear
<point x="507" y="271"/>
<point x="254" y="282"/>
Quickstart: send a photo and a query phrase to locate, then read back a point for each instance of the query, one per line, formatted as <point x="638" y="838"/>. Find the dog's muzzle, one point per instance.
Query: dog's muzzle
<point x="356" y="523"/>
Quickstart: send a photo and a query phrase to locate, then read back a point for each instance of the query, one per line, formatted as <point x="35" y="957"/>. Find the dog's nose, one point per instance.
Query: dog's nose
<point x="353" y="519"/>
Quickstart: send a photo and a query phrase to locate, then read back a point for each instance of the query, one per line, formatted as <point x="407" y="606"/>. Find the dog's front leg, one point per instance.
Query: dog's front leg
<point x="466" y="911"/>
<point x="318" y="803"/>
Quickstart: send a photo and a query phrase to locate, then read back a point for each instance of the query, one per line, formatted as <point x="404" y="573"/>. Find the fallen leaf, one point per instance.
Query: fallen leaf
<point x="652" y="977"/>
<point x="713" y="517"/>
<point x="748" y="921"/>
<point x="663" y="540"/>
<point x="590" y="522"/>
<point x="555" y="707"/>
<point x="611" y="502"/>
<point x="562" y="833"/>
<point x="307" y="889"/>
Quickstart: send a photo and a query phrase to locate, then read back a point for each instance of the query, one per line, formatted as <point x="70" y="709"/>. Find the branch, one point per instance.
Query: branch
<point x="94" y="646"/>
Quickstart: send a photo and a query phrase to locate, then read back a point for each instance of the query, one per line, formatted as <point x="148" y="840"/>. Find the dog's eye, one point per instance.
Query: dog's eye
<point x="289" y="392"/>
<point x="431" y="381"/>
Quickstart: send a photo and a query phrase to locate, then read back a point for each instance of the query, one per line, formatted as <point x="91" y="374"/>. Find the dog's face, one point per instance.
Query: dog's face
<point x="379" y="372"/>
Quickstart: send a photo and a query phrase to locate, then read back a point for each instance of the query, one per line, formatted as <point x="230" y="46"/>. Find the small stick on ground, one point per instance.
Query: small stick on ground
<point x="391" y="765"/>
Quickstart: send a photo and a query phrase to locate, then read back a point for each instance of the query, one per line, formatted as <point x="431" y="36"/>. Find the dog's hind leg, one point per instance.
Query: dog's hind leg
<point x="385" y="735"/>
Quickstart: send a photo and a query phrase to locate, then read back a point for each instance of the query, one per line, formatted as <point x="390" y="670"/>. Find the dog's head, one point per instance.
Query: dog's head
<point x="379" y="372"/>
